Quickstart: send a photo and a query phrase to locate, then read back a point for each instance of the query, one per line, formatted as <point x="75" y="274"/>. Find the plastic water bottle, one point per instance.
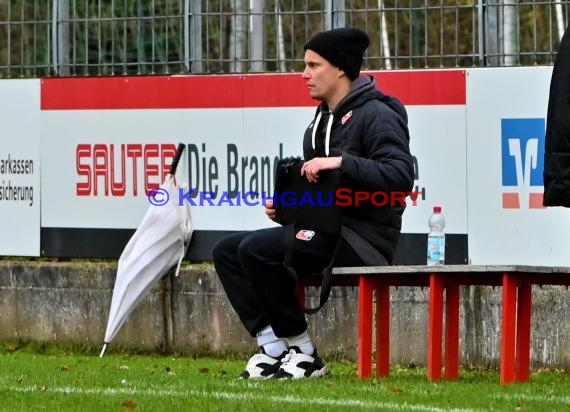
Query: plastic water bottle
<point x="436" y="238"/>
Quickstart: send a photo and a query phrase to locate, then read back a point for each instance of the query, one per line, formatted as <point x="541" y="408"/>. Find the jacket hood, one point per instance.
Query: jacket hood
<point x="363" y="89"/>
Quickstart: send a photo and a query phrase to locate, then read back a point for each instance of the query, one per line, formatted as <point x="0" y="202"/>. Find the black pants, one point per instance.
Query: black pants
<point x="260" y="288"/>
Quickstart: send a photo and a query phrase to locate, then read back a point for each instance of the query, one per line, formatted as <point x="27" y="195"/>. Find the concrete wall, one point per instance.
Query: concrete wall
<point x="68" y="303"/>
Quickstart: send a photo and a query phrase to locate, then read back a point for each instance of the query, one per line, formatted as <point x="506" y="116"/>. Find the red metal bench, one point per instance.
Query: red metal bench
<point x="516" y="281"/>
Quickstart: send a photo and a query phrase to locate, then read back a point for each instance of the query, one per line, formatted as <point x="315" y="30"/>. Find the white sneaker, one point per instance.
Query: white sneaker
<point x="297" y="365"/>
<point x="262" y="366"/>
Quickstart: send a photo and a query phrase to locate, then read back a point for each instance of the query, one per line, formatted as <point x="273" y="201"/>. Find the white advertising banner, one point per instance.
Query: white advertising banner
<point x="506" y="118"/>
<point x="225" y="152"/>
<point x="20" y="168"/>
<point x="228" y="150"/>
<point x="438" y="142"/>
<point x="100" y="154"/>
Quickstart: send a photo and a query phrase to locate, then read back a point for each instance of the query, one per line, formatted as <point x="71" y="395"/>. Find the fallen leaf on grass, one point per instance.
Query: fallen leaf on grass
<point x="394" y="389"/>
<point x="204" y="370"/>
<point x="129" y="404"/>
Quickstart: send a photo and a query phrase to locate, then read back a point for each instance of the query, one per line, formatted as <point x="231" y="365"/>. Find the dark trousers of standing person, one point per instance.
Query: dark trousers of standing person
<point x="260" y="288"/>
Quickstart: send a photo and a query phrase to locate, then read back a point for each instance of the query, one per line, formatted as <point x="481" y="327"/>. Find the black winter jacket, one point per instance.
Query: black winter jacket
<point x="369" y="130"/>
<point x="557" y="140"/>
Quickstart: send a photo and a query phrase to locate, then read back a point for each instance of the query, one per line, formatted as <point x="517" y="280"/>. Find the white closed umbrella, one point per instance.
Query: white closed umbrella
<point x="159" y="244"/>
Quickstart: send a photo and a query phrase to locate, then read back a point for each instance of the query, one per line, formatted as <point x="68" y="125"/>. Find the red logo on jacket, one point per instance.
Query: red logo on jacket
<point x="305" y="235"/>
<point x="346" y="117"/>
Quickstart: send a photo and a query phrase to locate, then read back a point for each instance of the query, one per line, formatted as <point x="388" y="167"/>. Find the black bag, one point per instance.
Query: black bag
<point x="312" y="218"/>
<point x="308" y="205"/>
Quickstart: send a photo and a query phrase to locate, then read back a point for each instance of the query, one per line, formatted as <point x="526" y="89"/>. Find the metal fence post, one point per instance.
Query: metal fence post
<point x="492" y="34"/>
<point x="193" y="36"/>
<point x="186" y="35"/>
<point x="511" y="38"/>
<point x="60" y="37"/>
<point x="55" y="37"/>
<point x="481" y="31"/>
<point x="417" y="32"/>
<point x="238" y="37"/>
<point x="338" y="14"/>
<point x="257" y="37"/>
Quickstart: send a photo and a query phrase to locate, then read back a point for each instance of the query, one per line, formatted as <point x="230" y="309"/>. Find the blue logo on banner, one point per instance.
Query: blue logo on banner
<point x="522" y="145"/>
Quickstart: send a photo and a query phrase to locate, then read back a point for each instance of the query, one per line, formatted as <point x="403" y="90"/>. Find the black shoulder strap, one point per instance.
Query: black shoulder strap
<point x="327" y="272"/>
<point x="369" y="254"/>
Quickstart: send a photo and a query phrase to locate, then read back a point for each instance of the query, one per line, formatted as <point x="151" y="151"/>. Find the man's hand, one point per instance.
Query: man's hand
<point x="270" y="209"/>
<point x="312" y="167"/>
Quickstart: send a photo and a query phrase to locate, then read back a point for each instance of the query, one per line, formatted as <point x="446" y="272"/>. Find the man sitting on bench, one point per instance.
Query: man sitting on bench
<point x="363" y="133"/>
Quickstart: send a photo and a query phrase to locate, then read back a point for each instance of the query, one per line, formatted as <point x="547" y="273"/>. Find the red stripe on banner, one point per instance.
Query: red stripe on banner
<point x="427" y="87"/>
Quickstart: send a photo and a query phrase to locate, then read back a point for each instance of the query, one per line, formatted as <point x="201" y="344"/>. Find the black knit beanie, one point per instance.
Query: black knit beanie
<point x="344" y="48"/>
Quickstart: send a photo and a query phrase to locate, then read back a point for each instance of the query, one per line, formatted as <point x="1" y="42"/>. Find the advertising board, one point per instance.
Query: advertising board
<point x="506" y="118"/>
<point x="20" y="168"/>
<point x="107" y="142"/>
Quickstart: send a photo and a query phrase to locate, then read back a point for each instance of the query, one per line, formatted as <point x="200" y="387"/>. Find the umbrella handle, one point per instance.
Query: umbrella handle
<point x="103" y="351"/>
<point x="176" y="159"/>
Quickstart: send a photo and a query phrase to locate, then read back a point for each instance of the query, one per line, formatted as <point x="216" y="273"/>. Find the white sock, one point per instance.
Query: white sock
<point x="271" y="344"/>
<point x="303" y="342"/>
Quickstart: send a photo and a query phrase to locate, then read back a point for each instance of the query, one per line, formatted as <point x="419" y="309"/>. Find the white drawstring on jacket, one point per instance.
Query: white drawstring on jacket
<point x="328" y="132"/>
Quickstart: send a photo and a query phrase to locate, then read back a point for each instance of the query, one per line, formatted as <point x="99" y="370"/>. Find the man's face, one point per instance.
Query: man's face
<point x="321" y="76"/>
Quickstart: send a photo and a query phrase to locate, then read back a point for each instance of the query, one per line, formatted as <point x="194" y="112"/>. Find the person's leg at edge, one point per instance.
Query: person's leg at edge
<point x="244" y="300"/>
<point x="265" y="296"/>
<point x="276" y="288"/>
<point x="239" y="291"/>
<point x="303" y="359"/>
<point x="261" y="255"/>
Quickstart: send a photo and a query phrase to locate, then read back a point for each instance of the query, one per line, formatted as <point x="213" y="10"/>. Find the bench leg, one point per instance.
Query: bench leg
<point x="523" y="333"/>
<point x="435" y="325"/>
<point x="383" y="330"/>
<point x="452" y="331"/>
<point x="509" y="313"/>
<point x="364" y="355"/>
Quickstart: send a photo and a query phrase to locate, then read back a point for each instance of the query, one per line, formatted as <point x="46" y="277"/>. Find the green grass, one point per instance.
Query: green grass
<point x="58" y="380"/>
